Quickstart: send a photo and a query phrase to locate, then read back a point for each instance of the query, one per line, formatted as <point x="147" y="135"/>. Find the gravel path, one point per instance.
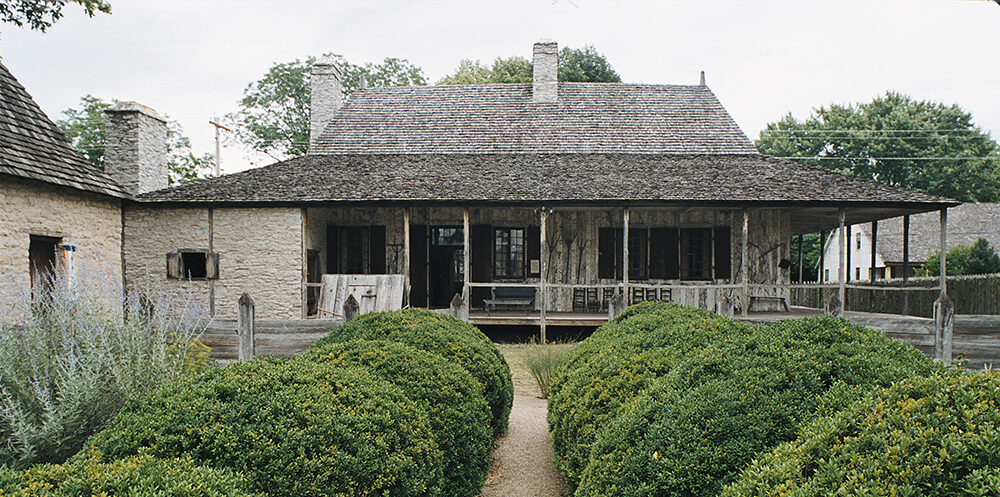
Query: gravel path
<point x="523" y="460"/>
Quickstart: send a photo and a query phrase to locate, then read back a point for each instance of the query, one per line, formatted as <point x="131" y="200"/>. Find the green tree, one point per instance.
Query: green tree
<point x="893" y="139"/>
<point x="85" y="129"/>
<point x="575" y="64"/>
<point x="42" y="14"/>
<point x="810" y="256"/>
<point x="273" y="117"/>
<point x="978" y="258"/>
<point x="585" y="65"/>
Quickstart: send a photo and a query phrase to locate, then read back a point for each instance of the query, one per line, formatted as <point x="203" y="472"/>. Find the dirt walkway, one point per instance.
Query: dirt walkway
<point x="522" y="463"/>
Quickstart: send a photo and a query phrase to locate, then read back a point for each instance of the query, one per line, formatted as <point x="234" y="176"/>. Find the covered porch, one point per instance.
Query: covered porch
<point x="563" y="264"/>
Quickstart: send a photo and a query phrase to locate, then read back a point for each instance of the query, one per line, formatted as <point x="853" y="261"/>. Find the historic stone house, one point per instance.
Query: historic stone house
<point x="556" y="199"/>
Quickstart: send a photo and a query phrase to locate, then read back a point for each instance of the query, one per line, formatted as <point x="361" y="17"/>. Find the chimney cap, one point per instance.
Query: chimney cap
<point x="130" y="106"/>
<point x="701" y="81"/>
<point x="327" y="64"/>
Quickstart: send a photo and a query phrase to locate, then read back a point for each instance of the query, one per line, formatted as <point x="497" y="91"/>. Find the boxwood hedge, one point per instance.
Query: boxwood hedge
<point x="442" y="334"/>
<point x="718" y="406"/>
<point x="457" y="410"/>
<point x="936" y="436"/>
<point x="139" y="476"/>
<point x="616" y="363"/>
<point x="296" y="428"/>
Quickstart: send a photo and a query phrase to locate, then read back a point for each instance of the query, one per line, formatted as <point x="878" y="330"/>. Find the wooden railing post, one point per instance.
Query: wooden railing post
<point x="351" y="308"/>
<point x="542" y="274"/>
<point x="244" y="327"/>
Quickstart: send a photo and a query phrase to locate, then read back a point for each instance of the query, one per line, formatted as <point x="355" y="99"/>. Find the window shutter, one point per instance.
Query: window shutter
<point x="175" y="265"/>
<point x="418" y="265"/>
<point x="212" y="266"/>
<point x="533" y="248"/>
<point x="723" y="253"/>
<point x="663" y="253"/>
<point x="332" y="262"/>
<point x="606" y="241"/>
<point x="376" y="250"/>
<point x="481" y="263"/>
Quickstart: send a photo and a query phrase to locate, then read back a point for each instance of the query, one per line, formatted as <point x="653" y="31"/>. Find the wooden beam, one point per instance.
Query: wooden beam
<point x="543" y="269"/>
<point x="873" y="247"/>
<point x="848" y="240"/>
<point x="906" y="262"/>
<point x="406" y="255"/>
<point x="745" y="264"/>
<point x="841" y="254"/>
<point x="800" y="259"/>
<point x="625" y="258"/>
<point x="943" y="277"/>
<point x="305" y="262"/>
<point x="465" y="255"/>
<point x="211" y="249"/>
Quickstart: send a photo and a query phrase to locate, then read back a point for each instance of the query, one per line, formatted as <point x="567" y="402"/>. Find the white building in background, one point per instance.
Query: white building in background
<point x="966" y="224"/>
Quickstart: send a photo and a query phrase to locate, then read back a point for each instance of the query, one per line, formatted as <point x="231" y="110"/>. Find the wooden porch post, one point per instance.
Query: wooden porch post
<point x="906" y="263"/>
<point x="873" y="247"/>
<point x="465" y="256"/>
<point x="944" y="308"/>
<point x="822" y="260"/>
<point x="406" y="254"/>
<point x="625" y="258"/>
<point x="842" y="265"/>
<point x="744" y="263"/>
<point x="847" y="243"/>
<point x="542" y="269"/>
<point x="800" y="259"/>
<point x="305" y="263"/>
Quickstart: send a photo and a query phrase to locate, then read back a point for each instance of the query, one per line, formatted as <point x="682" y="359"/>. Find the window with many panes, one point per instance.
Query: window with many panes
<point x="354" y="250"/>
<point x="508" y="253"/>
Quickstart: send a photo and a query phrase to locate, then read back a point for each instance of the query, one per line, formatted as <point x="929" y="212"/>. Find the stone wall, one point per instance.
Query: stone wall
<point x="260" y="252"/>
<point x="88" y="221"/>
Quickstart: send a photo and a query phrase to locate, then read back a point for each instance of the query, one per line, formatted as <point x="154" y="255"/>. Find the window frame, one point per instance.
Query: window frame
<point x="510" y="274"/>
<point x="178" y="256"/>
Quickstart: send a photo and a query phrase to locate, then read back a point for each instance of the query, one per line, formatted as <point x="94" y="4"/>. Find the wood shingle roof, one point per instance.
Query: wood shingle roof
<point x="527" y="178"/>
<point x="588" y="118"/>
<point x="32" y="146"/>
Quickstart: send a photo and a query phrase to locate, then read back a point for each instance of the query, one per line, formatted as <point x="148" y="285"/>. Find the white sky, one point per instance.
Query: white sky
<point x="191" y="59"/>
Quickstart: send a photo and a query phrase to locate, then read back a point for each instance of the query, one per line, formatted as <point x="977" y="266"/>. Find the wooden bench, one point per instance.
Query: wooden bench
<point x="779" y="301"/>
<point x="511" y="298"/>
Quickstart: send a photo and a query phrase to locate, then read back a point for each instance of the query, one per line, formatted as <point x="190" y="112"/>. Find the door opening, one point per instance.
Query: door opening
<point x="447" y="264"/>
<point x="42" y="263"/>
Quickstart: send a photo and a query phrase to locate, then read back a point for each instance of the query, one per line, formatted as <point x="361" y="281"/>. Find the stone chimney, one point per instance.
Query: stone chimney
<point x="545" y="68"/>
<point x="135" y="147"/>
<point x="327" y="95"/>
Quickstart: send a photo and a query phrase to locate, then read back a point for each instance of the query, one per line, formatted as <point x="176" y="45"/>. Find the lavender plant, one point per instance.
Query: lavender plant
<point x="73" y="356"/>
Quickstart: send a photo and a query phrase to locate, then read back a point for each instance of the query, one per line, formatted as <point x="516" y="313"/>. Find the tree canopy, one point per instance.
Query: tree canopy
<point x="273" y="115"/>
<point x="85" y="129"/>
<point x="894" y="139"/>
<point x="978" y="258"/>
<point x="42" y="14"/>
<point x="575" y="64"/>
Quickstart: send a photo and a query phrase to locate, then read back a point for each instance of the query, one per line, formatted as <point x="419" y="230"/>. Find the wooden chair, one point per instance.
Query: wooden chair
<point x="665" y="295"/>
<point x="606" y="296"/>
<point x="593" y="302"/>
<point x="636" y="295"/>
<point x="650" y="294"/>
<point x="579" y="300"/>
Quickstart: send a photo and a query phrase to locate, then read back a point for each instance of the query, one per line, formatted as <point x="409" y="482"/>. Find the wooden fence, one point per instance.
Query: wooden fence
<point x="979" y="294"/>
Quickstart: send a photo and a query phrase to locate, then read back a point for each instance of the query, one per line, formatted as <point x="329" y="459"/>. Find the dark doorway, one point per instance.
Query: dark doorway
<point x="447" y="264"/>
<point x="42" y="263"/>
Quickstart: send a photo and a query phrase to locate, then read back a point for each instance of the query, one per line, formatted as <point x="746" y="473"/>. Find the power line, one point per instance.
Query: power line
<point x="891" y="158"/>
<point x="955" y="130"/>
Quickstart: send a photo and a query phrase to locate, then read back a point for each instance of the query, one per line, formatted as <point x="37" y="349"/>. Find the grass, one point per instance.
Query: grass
<point x="524" y="357"/>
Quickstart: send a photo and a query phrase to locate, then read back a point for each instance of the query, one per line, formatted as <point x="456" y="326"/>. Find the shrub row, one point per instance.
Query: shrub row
<point x="139" y="476"/>
<point x="294" y="428"/>
<point x="457" y="411"/>
<point x="674" y="401"/>
<point x="403" y="415"/>
<point x="936" y="437"/>
<point x="442" y="334"/>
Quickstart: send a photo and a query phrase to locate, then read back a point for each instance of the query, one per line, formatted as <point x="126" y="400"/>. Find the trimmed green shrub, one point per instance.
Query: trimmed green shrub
<point x="296" y="428"/>
<point x="615" y="364"/>
<point x="442" y="334"/>
<point x="140" y="476"/>
<point x="718" y="407"/>
<point x="937" y="436"/>
<point x="457" y="411"/>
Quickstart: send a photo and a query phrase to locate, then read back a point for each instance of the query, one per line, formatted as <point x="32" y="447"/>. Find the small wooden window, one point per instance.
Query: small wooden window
<point x="193" y="265"/>
<point x="508" y="253"/>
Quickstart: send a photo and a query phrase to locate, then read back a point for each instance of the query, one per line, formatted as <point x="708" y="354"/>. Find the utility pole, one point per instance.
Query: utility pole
<point x="218" y="147"/>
